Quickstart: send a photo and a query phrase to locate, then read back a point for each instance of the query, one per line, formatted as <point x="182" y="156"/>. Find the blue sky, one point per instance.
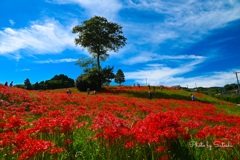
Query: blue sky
<point x="183" y="42"/>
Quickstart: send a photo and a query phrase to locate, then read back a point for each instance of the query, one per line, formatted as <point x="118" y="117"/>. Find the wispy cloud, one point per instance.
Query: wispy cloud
<point x="187" y="21"/>
<point x="11" y="22"/>
<point x="184" y="22"/>
<point x="148" y="57"/>
<point x="160" y="75"/>
<point x="156" y="75"/>
<point x="192" y="14"/>
<point x="65" y="60"/>
<point x="22" y="70"/>
<point x="48" y="37"/>
<point x="103" y="8"/>
<point x="208" y="80"/>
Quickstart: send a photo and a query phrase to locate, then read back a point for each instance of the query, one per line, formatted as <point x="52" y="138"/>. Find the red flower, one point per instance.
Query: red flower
<point x="57" y="150"/>
<point x="129" y="144"/>
<point x="160" y="149"/>
<point x="68" y="141"/>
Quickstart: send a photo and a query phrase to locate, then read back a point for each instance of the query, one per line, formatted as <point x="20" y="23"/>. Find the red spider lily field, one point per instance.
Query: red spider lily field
<point x="119" y="123"/>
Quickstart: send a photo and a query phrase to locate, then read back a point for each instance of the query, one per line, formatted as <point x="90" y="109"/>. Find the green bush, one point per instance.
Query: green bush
<point x="82" y="84"/>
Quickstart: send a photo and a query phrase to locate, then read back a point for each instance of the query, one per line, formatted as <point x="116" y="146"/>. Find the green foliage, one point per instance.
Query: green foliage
<point x="108" y="75"/>
<point x="43" y="85"/>
<point x="229" y="87"/>
<point x="86" y="64"/>
<point x="92" y="75"/>
<point x="82" y="83"/>
<point x="229" y="98"/>
<point x="91" y="78"/>
<point x="37" y="86"/>
<point x="27" y="83"/>
<point x="227" y="93"/>
<point x="20" y="86"/>
<point x="58" y="81"/>
<point x="120" y="77"/>
<point x="99" y="36"/>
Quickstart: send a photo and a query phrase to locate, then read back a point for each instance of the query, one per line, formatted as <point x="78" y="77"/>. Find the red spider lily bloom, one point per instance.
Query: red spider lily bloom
<point x="6" y="139"/>
<point x="67" y="124"/>
<point x="160" y="149"/>
<point x="238" y="139"/>
<point x="219" y="131"/>
<point x="155" y="127"/>
<point x="129" y="144"/>
<point x="68" y="141"/>
<point x="80" y="125"/>
<point x="204" y="133"/>
<point x="57" y="150"/>
<point x="164" y="158"/>
<point x="14" y="123"/>
<point x="34" y="147"/>
<point x="109" y="126"/>
<point x="55" y="113"/>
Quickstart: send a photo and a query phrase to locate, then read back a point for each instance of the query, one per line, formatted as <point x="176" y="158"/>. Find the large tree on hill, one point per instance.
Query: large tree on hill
<point x="99" y="36"/>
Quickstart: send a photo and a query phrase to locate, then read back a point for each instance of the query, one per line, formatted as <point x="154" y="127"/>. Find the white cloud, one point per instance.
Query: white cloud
<point x="189" y="12"/>
<point x="187" y="21"/>
<point x="148" y="57"/>
<point x="105" y="8"/>
<point x="159" y="74"/>
<point x="155" y="65"/>
<point x="209" y="80"/>
<point x="169" y="77"/>
<point x="65" y="60"/>
<point x="11" y="22"/>
<point x="40" y="38"/>
<point x="23" y="70"/>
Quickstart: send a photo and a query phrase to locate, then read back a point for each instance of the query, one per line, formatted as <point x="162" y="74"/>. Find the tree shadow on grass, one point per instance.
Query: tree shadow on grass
<point x="157" y="95"/>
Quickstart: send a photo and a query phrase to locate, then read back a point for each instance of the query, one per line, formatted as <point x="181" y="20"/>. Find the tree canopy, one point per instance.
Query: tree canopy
<point x="58" y="81"/>
<point x="27" y="83"/>
<point x="120" y="77"/>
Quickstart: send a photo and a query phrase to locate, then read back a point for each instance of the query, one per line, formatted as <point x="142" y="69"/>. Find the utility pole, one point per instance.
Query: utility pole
<point x="196" y="87"/>
<point x="238" y="82"/>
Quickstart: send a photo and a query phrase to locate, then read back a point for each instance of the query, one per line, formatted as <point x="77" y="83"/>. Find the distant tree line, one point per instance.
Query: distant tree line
<point x="227" y="89"/>
<point x="57" y="82"/>
<point x="84" y="81"/>
<point x="227" y="93"/>
<point x="230" y="87"/>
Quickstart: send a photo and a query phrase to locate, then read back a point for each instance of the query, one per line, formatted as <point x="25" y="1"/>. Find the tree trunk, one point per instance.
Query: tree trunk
<point x="99" y="68"/>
